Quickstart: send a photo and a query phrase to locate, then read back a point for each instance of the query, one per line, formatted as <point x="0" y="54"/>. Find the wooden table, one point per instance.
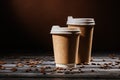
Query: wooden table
<point x="101" y="67"/>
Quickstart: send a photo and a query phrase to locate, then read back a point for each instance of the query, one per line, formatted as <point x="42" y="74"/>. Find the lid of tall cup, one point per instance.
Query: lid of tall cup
<point x="80" y="21"/>
<point x="64" y="30"/>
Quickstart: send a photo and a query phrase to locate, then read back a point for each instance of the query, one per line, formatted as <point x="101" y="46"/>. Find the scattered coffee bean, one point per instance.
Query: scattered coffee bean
<point x="42" y="70"/>
<point x="67" y="72"/>
<point x="92" y="70"/>
<point x="119" y="67"/>
<point x="19" y="61"/>
<point x="14" y="69"/>
<point x="85" y="63"/>
<point x="13" y="63"/>
<point x="54" y="69"/>
<point x="81" y="63"/>
<point x="32" y="62"/>
<point x="28" y="70"/>
<point x="110" y="63"/>
<point x="82" y="66"/>
<point x="98" y="64"/>
<point x="70" y="69"/>
<point x="113" y="65"/>
<point x="81" y="71"/>
<point x="19" y="65"/>
<point x="112" y="56"/>
<point x="91" y="59"/>
<point x="47" y="67"/>
<point x="2" y="67"/>
<point x="27" y="62"/>
<point x="105" y="66"/>
<point x="117" y="62"/>
<point x="103" y="60"/>
<point x="44" y="73"/>
<point x="93" y="63"/>
<point x="59" y="68"/>
<point x="59" y="71"/>
<point x="2" y="62"/>
<point x="65" y="69"/>
<point x="37" y="59"/>
<point x="36" y="69"/>
<point x="32" y="65"/>
<point x="101" y="66"/>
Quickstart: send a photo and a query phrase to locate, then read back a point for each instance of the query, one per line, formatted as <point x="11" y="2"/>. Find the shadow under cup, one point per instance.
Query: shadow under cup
<point x="65" y="45"/>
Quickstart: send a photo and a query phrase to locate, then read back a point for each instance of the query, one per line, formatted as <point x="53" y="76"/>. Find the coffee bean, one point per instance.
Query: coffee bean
<point x="14" y="69"/>
<point x="98" y="63"/>
<point x="93" y="63"/>
<point x="103" y="60"/>
<point x="91" y="59"/>
<point x="92" y="70"/>
<point x="112" y="56"/>
<point x="2" y="67"/>
<point x="19" y="65"/>
<point x="81" y="71"/>
<point x="28" y="70"/>
<point x="67" y="72"/>
<point x="110" y="63"/>
<point x="119" y="67"/>
<point x="2" y="62"/>
<point x="85" y="63"/>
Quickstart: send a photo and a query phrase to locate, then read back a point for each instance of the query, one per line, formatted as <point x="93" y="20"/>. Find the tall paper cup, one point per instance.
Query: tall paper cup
<point x="86" y="26"/>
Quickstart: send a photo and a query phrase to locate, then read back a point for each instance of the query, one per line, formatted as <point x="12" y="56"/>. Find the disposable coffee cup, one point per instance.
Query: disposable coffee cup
<point x="65" y="45"/>
<point x="86" y="26"/>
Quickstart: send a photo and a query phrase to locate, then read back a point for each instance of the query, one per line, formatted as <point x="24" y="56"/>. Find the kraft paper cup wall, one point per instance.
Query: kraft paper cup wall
<point x="86" y="26"/>
<point x="65" y="45"/>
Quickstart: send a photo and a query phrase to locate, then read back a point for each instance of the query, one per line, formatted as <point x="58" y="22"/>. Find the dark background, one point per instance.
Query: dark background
<point x="25" y="24"/>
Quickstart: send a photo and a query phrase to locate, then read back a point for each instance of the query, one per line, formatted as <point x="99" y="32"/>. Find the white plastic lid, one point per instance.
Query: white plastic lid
<point x="80" y="21"/>
<point x="64" y="30"/>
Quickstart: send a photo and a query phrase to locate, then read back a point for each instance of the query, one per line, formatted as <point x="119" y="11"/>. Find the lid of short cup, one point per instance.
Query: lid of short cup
<point x="64" y="30"/>
<point x="80" y="21"/>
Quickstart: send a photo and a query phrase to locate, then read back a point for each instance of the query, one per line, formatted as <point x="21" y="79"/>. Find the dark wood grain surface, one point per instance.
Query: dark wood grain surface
<point x="102" y="67"/>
